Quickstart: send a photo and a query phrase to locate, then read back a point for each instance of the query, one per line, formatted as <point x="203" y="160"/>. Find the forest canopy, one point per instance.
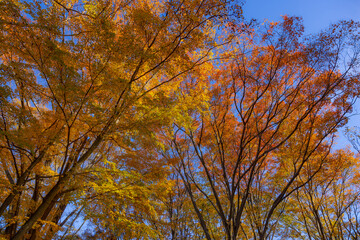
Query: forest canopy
<point x="174" y="120"/>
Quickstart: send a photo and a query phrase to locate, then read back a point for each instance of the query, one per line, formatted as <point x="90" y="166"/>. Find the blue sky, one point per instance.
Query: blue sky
<point x="317" y="15"/>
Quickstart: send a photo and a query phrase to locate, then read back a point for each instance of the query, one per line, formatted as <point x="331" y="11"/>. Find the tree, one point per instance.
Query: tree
<point x="327" y="207"/>
<point x="80" y="79"/>
<point x="274" y="108"/>
<point x="111" y="110"/>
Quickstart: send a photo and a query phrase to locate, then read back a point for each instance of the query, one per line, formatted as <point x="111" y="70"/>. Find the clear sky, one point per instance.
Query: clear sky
<point x="317" y="15"/>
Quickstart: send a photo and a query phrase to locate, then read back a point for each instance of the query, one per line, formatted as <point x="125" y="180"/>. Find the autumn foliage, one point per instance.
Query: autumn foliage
<point x="173" y="120"/>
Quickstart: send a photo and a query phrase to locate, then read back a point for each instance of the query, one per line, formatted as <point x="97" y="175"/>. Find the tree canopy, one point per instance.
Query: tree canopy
<point x="174" y="120"/>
